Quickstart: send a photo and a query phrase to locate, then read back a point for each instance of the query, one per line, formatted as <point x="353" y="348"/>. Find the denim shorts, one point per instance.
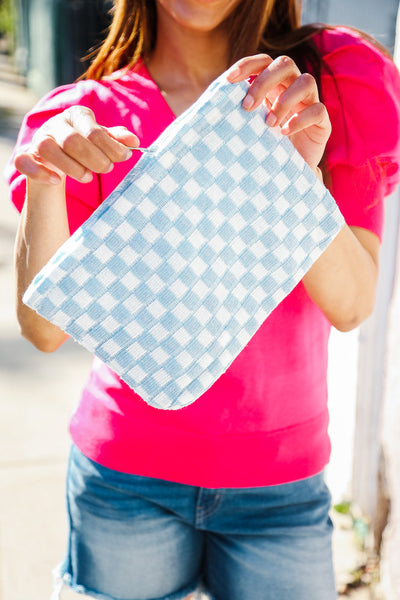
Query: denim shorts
<point x="139" y="538"/>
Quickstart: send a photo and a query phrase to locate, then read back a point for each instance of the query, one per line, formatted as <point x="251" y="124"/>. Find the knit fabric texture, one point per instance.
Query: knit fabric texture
<point x="173" y="274"/>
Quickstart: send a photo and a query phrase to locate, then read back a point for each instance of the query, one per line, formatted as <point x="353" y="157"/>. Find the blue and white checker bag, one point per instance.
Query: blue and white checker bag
<point x="173" y="274"/>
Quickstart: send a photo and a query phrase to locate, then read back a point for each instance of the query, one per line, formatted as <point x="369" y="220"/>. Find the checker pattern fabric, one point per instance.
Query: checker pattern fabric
<point x="173" y="274"/>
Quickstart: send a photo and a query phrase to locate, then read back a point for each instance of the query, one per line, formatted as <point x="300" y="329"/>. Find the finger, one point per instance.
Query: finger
<point x="83" y="121"/>
<point x="315" y="119"/>
<point x="301" y="93"/>
<point x="57" y="141"/>
<point x="60" y="154"/>
<point x="281" y="71"/>
<point x="248" y="66"/>
<point x="28" y="165"/>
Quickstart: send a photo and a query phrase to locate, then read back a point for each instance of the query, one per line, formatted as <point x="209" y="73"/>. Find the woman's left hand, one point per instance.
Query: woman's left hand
<point x="292" y="99"/>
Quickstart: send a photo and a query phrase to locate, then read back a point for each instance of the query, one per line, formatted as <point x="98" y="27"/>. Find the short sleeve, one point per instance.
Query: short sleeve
<point x="361" y="90"/>
<point x="112" y="104"/>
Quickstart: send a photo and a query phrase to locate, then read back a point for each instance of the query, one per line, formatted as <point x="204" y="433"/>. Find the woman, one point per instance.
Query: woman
<point x="227" y="493"/>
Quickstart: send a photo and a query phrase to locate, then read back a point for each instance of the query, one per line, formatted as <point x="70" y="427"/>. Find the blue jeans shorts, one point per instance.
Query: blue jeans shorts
<point x="138" y="538"/>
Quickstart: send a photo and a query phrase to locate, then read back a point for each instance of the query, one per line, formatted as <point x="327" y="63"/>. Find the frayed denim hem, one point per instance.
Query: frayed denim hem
<point x="64" y="589"/>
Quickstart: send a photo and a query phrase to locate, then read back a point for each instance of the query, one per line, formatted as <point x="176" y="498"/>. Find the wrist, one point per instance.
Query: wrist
<point x="40" y="193"/>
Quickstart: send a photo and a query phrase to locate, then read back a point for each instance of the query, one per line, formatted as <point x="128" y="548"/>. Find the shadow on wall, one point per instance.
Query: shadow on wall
<point x="376" y="18"/>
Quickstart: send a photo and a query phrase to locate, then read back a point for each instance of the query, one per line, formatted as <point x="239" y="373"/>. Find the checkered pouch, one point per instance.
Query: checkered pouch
<point x="173" y="274"/>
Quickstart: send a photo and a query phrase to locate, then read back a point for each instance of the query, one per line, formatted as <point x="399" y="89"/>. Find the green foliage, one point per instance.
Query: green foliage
<point x="344" y="508"/>
<point x="7" y="18"/>
<point x="360" y="523"/>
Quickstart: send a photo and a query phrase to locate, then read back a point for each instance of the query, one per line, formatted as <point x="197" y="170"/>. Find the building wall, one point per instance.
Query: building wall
<point x="378" y="19"/>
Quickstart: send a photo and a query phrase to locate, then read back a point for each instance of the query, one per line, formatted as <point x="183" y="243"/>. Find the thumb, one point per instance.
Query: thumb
<point x="123" y="135"/>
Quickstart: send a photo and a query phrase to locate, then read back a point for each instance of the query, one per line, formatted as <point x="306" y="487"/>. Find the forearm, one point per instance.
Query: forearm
<point x="342" y="282"/>
<point x="43" y="229"/>
<point x="72" y="144"/>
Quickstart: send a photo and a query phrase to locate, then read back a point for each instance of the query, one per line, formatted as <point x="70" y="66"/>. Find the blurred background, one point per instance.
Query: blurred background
<point x="42" y="43"/>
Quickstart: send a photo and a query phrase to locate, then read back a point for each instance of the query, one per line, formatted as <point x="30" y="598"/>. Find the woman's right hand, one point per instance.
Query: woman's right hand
<point x="72" y="143"/>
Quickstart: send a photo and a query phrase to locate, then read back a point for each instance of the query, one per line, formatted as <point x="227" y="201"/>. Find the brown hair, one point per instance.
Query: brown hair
<point x="271" y="26"/>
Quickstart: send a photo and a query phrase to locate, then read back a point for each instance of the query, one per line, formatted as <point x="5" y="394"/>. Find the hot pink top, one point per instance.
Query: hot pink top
<point x="265" y="420"/>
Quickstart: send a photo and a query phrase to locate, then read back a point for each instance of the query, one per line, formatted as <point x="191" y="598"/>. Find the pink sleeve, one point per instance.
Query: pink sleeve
<point x="128" y="98"/>
<point x="361" y="90"/>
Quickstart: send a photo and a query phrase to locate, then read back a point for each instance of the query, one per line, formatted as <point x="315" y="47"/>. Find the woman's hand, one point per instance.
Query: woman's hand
<point x="292" y="99"/>
<point x="72" y="143"/>
<point x="342" y="281"/>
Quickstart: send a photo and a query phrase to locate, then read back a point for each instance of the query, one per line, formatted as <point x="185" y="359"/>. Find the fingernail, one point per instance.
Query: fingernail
<point x="87" y="177"/>
<point x="234" y="73"/>
<point x="248" y="102"/>
<point x="271" y="119"/>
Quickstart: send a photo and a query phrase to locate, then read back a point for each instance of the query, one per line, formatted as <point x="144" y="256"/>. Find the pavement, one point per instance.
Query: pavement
<point x="37" y="395"/>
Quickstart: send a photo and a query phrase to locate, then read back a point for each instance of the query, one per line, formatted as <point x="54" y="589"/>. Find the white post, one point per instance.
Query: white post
<point x="390" y="574"/>
<point x="371" y="372"/>
<point x="378" y="20"/>
<point x="373" y="361"/>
